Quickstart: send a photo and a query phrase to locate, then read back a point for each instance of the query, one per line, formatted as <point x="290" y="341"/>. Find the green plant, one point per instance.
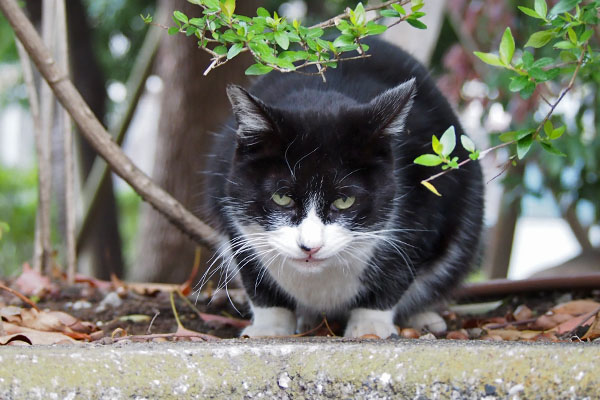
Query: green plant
<point x="570" y="34"/>
<point x="277" y="44"/>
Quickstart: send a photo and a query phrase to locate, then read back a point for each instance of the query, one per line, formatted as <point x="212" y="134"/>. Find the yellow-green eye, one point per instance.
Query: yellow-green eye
<point x="282" y="200"/>
<point x="344" y="203"/>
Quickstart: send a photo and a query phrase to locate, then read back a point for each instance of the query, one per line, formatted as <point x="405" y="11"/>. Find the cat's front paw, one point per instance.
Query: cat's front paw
<point x="427" y="321"/>
<point x="271" y="321"/>
<point x="364" y="321"/>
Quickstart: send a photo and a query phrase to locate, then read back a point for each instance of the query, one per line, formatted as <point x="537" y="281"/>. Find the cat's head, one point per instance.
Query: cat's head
<point x="311" y="183"/>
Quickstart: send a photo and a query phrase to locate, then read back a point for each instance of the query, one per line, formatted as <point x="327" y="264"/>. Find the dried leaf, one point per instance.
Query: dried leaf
<point x="522" y="313"/>
<point x="594" y="331"/>
<point x="32" y="283"/>
<point x="574" y="323"/>
<point x="409" y="333"/>
<point x="11" y="339"/>
<point x="38" y="337"/>
<point x="458" y="335"/>
<point x="549" y="321"/>
<point x="513" y="334"/>
<point x="369" y="336"/>
<point x="217" y="321"/>
<point x="576" y="307"/>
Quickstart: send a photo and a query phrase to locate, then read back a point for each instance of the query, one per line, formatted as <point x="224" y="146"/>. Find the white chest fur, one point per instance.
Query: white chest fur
<point x="323" y="288"/>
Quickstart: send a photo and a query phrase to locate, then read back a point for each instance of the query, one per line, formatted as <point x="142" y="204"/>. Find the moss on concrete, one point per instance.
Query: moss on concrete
<point x="314" y="368"/>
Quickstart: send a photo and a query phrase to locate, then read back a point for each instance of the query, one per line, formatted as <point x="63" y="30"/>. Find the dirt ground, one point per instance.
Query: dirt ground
<point x="146" y="312"/>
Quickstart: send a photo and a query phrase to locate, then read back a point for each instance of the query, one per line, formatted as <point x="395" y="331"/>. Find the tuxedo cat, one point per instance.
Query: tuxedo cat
<point x="315" y="187"/>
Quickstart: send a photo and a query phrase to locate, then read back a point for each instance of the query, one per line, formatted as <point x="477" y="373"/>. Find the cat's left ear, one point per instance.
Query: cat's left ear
<point x="249" y="111"/>
<point x="390" y="109"/>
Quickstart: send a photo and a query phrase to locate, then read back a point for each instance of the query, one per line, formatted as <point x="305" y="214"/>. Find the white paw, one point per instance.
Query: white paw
<point x="271" y="321"/>
<point x="428" y="321"/>
<point x="363" y="321"/>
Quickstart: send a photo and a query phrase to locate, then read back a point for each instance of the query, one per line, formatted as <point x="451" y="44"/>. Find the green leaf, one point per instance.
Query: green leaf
<point x="564" y="6"/>
<point x="527" y="59"/>
<point x="549" y="147"/>
<point x="585" y="36"/>
<point x="507" y="47"/>
<point x="539" y="39"/>
<point x="375" y="29"/>
<point x="436" y="145"/>
<point x="234" y="50"/>
<point x="467" y="143"/>
<point x="448" y="141"/>
<point x="173" y="30"/>
<point x="431" y="188"/>
<point x="515" y="135"/>
<point x="228" y="7"/>
<point x="220" y="50"/>
<point x="360" y="15"/>
<point x="530" y="12"/>
<point x="541" y="8"/>
<point x="572" y="35"/>
<point x="565" y="45"/>
<point x="428" y="160"/>
<point x="282" y="40"/>
<point x="548" y="127"/>
<point x="399" y="8"/>
<point x="538" y="74"/>
<point x="180" y="16"/>
<point x="523" y="146"/>
<point x="315" y="33"/>
<point x="343" y="40"/>
<point x="417" y="24"/>
<point x="556" y="133"/>
<point x="258" y="69"/>
<point x="474" y="155"/>
<point x="489" y="58"/>
<point x="518" y="83"/>
<point x="262" y="12"/>
<point x="542" y="62"/>
<point x="212" y="4"/>
<point x="389" y="13"/>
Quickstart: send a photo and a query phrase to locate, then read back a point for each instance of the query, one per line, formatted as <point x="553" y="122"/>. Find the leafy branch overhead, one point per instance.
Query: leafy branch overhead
<point x="569" y="28"/>
<point x="277" y="44"/>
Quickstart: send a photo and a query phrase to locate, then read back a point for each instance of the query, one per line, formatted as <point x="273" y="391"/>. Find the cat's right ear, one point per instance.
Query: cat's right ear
<point x="249" y="111"/>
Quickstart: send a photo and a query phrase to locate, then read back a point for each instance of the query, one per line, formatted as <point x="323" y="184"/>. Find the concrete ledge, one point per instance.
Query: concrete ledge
<point x="311" y="368"/>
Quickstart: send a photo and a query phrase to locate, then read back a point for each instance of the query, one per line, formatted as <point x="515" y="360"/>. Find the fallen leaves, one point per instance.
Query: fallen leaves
<point x="560" y="323"/>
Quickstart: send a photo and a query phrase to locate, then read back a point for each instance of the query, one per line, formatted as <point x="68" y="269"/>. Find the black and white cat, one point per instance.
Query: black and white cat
<point x="316" y="190"/>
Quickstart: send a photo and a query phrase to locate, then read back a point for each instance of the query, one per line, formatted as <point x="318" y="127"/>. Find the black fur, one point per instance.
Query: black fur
<point x="325" y="131"/>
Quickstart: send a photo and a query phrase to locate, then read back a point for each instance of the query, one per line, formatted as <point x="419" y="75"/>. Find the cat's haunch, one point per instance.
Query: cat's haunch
<point x="315" y="186"/>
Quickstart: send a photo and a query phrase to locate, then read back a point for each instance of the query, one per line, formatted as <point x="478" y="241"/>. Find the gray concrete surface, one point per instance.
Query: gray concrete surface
<point x="306" y="368"/>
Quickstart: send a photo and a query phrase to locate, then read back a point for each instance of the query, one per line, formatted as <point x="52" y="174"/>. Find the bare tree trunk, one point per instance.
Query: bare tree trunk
<point x="100" y="247"/>
<point x="501" y="240"/>
<point x="192" y="106"/>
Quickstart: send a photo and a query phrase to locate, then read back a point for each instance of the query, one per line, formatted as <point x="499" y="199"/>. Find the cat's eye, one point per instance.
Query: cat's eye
<point x="282" y="200"/>
<point x="343" y="203"/>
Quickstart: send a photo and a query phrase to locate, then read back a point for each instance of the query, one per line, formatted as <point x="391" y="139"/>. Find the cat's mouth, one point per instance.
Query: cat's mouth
<point x="309" y="261"/>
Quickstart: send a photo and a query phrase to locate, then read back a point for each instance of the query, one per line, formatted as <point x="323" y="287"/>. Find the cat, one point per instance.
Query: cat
<point x="314" y="185"/>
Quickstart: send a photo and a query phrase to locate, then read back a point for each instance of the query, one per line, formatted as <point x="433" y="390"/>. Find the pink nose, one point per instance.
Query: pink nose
<point x="309" y="251"/>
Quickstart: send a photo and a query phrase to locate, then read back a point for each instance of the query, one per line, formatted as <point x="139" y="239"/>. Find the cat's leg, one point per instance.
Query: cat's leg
<point x="427" y="321"/>
<point x="271" y="321"/>
<point x="364" y="321"/>
<point x="273" y="312"/>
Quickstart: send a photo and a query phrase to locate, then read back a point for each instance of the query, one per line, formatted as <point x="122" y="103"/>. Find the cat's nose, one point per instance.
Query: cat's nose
<point x="308" y="250"/>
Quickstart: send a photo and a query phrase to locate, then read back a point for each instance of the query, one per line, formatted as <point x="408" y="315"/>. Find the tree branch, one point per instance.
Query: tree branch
<point x="98" y="137"/>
